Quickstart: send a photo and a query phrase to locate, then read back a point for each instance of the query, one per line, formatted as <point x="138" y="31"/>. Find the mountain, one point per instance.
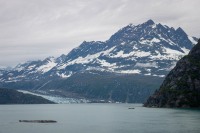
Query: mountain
<point x="9" y="96"/>
<point x="148" y="50"/>
<point x="181" y="87"/>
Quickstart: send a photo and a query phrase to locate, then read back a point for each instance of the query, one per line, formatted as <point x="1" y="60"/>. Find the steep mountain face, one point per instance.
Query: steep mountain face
<point x="147" y="49"/>
<point x="9" y="96"/>
<point x="181" y="87"/>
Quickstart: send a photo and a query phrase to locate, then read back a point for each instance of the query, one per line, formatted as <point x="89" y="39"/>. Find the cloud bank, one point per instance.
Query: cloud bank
<point x="35" y="29"/>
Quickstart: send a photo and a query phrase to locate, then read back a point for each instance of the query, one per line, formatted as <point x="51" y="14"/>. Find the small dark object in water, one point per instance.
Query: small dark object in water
<point x="131" y="108"/>
<point x="38" y="121"/>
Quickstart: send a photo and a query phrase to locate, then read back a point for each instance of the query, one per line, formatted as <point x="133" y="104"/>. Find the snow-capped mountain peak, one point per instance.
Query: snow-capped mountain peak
<point x="147" y="49"/>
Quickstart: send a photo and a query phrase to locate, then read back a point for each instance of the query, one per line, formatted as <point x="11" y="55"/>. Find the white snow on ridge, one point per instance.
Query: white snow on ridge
<point x="123" y="43"/>
<point x="170" y="54"/>
<point x="136" y="71"/>
<point x="134" y="53"/>
<point x="192" y="40"/>
<point x="171" y="51"/>
<point x="175" y="54"/>
<point x="144" y="42"/>
<point x="45" y="68"/>
<point x="31" y="67"/>
<point x="158" y="75"/>
<point x="85" y="60"/>
<point x="119" y="54"/>
<point x="62" y="66"/>
<point x="153" y="64"/>
<point x="168" y="40"/>
<point x="141" y="53"/>
<point x="62" y="75"/>
<point x="95" y="68"/>
<point x="186" y="51"/>
<point x="155" y="75"/>
<point x="104" y="63"/>
<point x="154" y="26"/>
<point x="155" y="40"/>
<point x="150" y="42"/>
<point x="19" y="68"/>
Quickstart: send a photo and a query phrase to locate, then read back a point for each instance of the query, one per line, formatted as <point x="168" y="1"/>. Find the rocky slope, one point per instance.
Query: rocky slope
<point x="181" y="87"/>
<point x="9" y="96"/>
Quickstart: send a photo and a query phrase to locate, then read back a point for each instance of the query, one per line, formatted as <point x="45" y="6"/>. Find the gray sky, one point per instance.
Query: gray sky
<point x="36" y="29"/>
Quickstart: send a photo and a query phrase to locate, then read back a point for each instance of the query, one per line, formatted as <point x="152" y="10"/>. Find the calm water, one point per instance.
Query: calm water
<point x="98" y="118"/>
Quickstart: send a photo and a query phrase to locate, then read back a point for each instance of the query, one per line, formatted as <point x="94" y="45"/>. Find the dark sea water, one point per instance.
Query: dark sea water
<point x="98" y="118"/>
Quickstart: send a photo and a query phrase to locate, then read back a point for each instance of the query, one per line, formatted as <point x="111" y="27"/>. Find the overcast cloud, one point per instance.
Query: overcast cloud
<point x="36" y="29"/>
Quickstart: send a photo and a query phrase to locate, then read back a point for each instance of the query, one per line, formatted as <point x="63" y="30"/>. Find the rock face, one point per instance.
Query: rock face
<point x="181" y="87"/>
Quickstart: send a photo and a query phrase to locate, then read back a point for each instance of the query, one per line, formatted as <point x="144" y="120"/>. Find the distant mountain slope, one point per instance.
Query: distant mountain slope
<point x="97" y="86"/>
<point x="147" y="49"/>
<point x="107" y="86"/>
<point x="9" y="96"/>
<point x="181" y="87"/>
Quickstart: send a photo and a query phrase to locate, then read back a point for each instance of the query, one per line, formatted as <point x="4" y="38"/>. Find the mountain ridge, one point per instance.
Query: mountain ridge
<point x="120" y="51"/>
<point x="146" y="49"/>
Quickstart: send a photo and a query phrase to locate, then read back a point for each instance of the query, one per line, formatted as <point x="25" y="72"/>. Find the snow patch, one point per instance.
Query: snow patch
<point x="19" y="68"/>
<point x="155" y="40"/>
<point x="104" y="63"/>
<point x="31" y="67"/>
<point x="171" y="51"/>
<point x="45" y="68"/>
<point x="154" y="26"/>
<point x="170" y="54"/>
<point x="141" y="53"/>
<point x="158" y="75"/>
<point x="134" y="53"/>
<point x="87" y="59"/>
<point x="150" y="42"/>
<point x="192" y="40"/>
<point x="152" y="64"/>
<point x="123" y="43"/>
<point x="62" y="75"/>
<point x="136" y="71"/>
<point x="186" y="51"/>
<point x="168" y="40"/>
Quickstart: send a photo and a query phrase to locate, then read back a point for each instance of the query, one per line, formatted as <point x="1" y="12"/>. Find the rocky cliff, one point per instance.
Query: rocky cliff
<point x="181" y="87"/>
